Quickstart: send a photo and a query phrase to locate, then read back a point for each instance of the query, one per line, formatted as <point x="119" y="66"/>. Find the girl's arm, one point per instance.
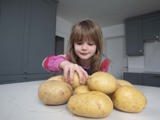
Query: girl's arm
<point x="51" y="63"/>
<point x="105" y="65"/>
<point x="62" y="62"/>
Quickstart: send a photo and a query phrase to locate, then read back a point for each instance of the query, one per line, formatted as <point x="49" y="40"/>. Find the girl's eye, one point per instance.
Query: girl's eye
<point x="91" y="43"/>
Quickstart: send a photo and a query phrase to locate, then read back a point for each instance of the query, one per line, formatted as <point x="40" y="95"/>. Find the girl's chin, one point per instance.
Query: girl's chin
<point x="84" y="58"/>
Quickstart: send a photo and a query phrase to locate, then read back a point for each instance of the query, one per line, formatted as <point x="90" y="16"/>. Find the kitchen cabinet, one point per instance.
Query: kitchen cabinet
<point x="140" y="29"/>
<point x="134" y="42"/>
<point x="134" y="78"/>
<point x="148" y="79"/>
<point x="151" y="79"/>
<point x="27" y="33"/>
<point x="151" y="27"/>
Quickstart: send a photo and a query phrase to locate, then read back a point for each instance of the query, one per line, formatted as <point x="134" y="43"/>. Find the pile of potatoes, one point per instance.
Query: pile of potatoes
<point x="96" y="99"/>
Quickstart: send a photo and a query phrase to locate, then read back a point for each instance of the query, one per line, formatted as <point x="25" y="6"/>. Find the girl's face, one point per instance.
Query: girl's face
<point x="85" y="49"/>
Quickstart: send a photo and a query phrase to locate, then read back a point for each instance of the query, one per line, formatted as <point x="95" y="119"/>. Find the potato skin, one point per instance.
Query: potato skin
<point x="57" y="77"/>
<point x="92" y="104"/>
<point x="103" y="82"/>
<point x="54" y="92"/>
<point x="81" y="89"/>
<point x="122" y="83"/>
<point x="76" y="82"/>
<point x="129" y="99"/>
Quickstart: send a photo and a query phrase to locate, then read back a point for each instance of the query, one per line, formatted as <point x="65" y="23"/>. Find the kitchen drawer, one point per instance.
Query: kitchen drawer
<point x="151" y="79"/>
<point x="134" y="78"/>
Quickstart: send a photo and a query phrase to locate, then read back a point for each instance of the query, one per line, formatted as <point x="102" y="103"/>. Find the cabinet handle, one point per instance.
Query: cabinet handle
<point x="25" y="73"/>
<point x="156" y="36"/>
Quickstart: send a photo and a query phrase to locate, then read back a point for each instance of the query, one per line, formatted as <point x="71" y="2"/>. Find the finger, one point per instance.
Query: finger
<point x="66" y="73"/>
<point x="81" y="78"/>
<point x="84" y="76"/>
<point x="71" y="76"/>
<point x="78" y="70"/>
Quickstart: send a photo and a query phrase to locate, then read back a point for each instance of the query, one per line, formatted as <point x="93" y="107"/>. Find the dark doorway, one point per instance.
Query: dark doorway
<point x="59" y="45"/>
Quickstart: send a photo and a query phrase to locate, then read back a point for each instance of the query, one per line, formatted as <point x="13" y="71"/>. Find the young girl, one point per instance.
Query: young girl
<point x="84" y="54"/>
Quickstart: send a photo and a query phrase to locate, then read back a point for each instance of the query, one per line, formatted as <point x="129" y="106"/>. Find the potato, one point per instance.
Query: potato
<point x="76" y="82"/>
<point x="129" y="99"/>
<point x="92" y="104"/>
<point x="54" y="92"/>
<point x="103" y="82"/>
<point x="123" y="82"/>
<point x="57" y="77"/>
<point x="81" y="89"/>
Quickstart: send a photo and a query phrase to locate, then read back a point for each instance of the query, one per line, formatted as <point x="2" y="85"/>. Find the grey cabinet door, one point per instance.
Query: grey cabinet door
<point x="151" y="27"/>
<point x="41" y="34"/>
<point x="134" y="78"/>
<point x="27" y="36"/>
<point x="12" y="20"/>
<point x="151" y="79"/>
<point x="134" y="43"/>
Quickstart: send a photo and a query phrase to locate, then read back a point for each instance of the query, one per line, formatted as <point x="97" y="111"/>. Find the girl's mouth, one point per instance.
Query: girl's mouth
<point x="83" y="53"/>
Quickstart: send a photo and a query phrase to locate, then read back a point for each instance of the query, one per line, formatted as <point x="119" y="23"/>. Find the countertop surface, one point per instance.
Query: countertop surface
<point x="19" y="101"/>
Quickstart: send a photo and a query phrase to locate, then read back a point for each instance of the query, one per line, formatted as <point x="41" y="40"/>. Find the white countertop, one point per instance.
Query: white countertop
<point x="19" y="101"/>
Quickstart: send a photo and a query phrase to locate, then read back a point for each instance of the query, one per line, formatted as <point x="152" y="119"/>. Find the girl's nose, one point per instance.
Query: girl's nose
<point x="84" y="46"/>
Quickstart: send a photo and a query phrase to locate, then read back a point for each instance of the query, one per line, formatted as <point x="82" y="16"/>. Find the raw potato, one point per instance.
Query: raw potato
<point x="103" y="82"/>
<point x="129" y="99"/>
<point x="81" y="89"/>
<point x="92" y="104"/>
<point x="122" y="83"/>
<point x="76" y="82"/>
<point x="57" y="77"/>
<point x="54" y="92"/>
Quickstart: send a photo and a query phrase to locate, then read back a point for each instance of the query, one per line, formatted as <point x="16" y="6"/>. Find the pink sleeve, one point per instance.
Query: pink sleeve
<point x="105" y="65"/>
<point x="51" y="63"/>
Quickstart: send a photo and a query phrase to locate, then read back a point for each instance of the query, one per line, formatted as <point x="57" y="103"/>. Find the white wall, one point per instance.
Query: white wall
<point x="114" y="49"/>
<point x="150" y="62"/>
<point x="63" y="29"/>
<point x="152" y="57"/>
<point x="113" y="31"/>
<point x="115" y="52"/>
<point x="136" y="64"/>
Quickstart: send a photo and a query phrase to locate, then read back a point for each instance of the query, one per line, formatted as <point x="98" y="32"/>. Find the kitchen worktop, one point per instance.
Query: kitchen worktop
<point x="19" y="101"/>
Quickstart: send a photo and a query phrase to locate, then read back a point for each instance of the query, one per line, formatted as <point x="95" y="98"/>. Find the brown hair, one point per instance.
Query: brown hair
<point x="90" y="29"/>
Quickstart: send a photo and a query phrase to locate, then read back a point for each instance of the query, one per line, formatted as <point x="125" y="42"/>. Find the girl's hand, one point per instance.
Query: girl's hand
<point x="70" y="68"/>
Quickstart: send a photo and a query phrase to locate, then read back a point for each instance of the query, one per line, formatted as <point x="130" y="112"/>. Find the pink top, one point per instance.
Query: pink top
<point x="51" y="63"/>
